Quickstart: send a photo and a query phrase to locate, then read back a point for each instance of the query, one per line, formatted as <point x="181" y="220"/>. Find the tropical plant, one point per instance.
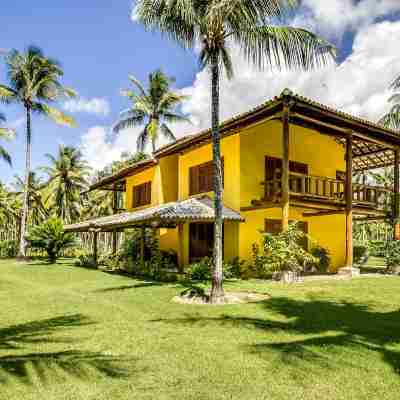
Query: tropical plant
<point x="283" y="252"/>
<point x="34" y="83"/>
<point x="154" y="109"/>
<point x="392" y="118"/>
<point x="9" y="206"/>
<point x="67" y="178"/>
<point x="51" y="237"/>
<point x="323" y="258"/>
<point x="392" y="256"/>
<point x="37" y="209"/>
<point x="216" y="25"/>
<point x="6" y="134"/>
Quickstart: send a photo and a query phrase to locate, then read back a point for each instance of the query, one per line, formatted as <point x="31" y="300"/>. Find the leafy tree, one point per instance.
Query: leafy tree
<point x="153" y="108"/>
<point x="67" y="178"/>
<point x="216" y="25"/>
<point x="34" y="83"/>
<point x="7" y="134"/>
<point x="392" y="118"/>
<point x="9" y="206"/>
<point x="50" y="236"/>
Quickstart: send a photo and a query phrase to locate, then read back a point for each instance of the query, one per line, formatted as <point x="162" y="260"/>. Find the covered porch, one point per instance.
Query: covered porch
<point x="178" y="216"/>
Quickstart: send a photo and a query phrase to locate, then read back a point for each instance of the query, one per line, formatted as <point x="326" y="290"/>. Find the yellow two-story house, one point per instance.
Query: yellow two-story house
<point x="290" y="159"/>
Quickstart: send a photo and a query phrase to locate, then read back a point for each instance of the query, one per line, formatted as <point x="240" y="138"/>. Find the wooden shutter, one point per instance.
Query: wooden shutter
<point x="201" y="178"/>
<point x="142" y="195"/>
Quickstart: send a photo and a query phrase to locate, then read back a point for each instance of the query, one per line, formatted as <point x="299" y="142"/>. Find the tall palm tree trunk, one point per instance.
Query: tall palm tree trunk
<point x="217" y="291"/>
<point x="25" y="206"/>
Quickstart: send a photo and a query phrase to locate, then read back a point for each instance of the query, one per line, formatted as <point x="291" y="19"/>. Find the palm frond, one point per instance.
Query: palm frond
<point x="168" y="134"/>
<point x="129" y="120"/>
<point x="288" y="47"/>
<point x="7" y="94"/>
<point x="138" y="84"/>
<point x="5" y="155"/>
<point x="56" y="115"/>
<point x="392" y="119"/>
<point x="142" y="140"/>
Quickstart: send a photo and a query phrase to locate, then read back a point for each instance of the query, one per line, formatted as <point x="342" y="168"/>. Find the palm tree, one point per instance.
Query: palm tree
<point x="5" y="133"/>
<point x="153" y="109"/>
<point x="67" y="179"/>
<point x="215" y="25"/>
<point x="34" y="83"/>
<point x="38" y="211"/>
<point x="392" y="118"/>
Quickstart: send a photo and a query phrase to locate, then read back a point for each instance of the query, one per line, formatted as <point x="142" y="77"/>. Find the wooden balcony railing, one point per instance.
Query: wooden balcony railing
<point x="316" y="188"/>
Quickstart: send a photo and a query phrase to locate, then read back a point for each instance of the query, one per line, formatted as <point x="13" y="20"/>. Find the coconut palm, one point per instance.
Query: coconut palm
<point x="7" y="134"/>
<point x="153" y="108"/>
<point x="215" y="26"/>
<point x="392" y="118"/>
<point x="34" y="83"/>
<point x="37" y="209"/>
<point x="67" y="178"/>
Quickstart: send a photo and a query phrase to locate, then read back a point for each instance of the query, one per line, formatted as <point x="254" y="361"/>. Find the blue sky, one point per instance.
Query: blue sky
<point x="98" y="45"/>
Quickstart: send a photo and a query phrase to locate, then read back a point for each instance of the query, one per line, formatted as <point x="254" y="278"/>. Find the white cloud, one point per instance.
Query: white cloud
<point x="334" y="17"/>
<point x="359" y="85"/>
<point x="96" y="105"/>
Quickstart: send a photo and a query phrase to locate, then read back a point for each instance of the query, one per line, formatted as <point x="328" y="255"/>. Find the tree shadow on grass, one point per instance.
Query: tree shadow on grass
<point x="335" y="326"/>
<point x="49" y="367"/>
<point x="126" y="287"/>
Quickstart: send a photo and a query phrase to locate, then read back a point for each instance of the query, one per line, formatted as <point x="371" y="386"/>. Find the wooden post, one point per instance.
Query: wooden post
<point x="348" y="269"/>
<point x="396" y="189"/>
<point x="95" y="234"/>
<point x="142" y="246"/>
<point x="114" y="233"/>
<point x="285" y="165"/>
<point x="180" y="248"/>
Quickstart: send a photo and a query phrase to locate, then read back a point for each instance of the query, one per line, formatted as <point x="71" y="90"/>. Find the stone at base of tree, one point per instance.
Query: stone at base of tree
<point x="349" y="271"/>
<point x="287" y="276"/>
<point x="394" y="270"/>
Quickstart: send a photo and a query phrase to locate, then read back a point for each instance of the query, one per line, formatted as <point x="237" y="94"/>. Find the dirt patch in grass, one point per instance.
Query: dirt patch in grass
<point x="196" y="297"/>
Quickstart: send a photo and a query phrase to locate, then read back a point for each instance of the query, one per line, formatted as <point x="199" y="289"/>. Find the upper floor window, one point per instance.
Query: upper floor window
<point x="141" y="195"/>
<point x="201" y="178"/>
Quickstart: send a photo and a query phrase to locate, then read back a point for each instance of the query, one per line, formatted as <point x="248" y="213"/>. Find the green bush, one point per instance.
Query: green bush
<point x="86" y="261"/>
<point x="201" y="270"/>
<point x="392" y="257"/>
<point x="8" y="249"/>
<point x="282" y="252"/>
<point x="360" y="254"/>
<point x="377" y="248"/>
<point x="323" y="259"/>
<point x="50" y="236"/>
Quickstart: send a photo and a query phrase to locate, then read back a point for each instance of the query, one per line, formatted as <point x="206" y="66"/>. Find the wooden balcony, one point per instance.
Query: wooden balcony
<point x="318" y="189"/>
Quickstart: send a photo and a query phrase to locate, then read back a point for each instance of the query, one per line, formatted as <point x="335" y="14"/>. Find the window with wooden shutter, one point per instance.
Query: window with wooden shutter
<point x="201" y="178"/>
<point x="141" y="195"/>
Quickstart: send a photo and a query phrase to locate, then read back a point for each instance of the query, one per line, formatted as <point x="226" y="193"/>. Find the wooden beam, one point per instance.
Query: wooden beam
<point x="180" y="248"/>
<point x="396" y="189"/>
<point x="322" y="213"/>
<point x="349" y="201"/>
<point x="142" y="247"/>
<point x="370" y="153"/>
<point x="114" y="234"/>
<point x="285" y="164"/>
<point x="95" y="255"/>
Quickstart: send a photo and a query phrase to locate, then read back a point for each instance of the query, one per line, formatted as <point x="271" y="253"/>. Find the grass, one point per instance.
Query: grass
<point x="71" y="333"/>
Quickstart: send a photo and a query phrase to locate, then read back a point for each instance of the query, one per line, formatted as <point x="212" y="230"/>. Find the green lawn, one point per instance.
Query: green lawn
<point x="71" y="333"/>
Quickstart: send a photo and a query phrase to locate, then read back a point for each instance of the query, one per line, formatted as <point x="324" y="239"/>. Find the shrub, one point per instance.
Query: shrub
<point x="201" y="270"/>
<point x="282" y="252"/>
<point x="323" y="258"/>
<point x="8" y="248"/>
<point x="377" y="248"/>
<point x="50" y="236"/>
<point x="392" y="257"/>
<point x="86" y="261"/>
<point x="234" y="269"/>
<point x="360" y="254"/>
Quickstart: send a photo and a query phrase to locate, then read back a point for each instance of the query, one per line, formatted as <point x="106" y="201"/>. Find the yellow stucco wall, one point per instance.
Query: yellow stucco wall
<point x="230" y="151"/>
